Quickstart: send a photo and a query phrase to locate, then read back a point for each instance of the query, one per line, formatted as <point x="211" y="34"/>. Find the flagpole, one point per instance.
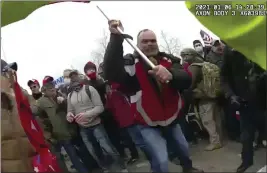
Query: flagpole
<point x="145" y="58"/>
<point x="130" y="42"/>
<point x="3" y="51"/>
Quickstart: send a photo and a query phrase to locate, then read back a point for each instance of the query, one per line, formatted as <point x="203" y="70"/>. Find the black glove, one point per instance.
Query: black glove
<point x="235" y="102"/>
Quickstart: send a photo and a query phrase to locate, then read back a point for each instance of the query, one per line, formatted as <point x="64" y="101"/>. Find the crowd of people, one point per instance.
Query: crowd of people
<point x="124" y="103"/>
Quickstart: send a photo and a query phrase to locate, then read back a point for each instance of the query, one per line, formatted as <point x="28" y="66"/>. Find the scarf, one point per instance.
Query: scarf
<point x="75" y="86"/>
<point x="36" y="96"/>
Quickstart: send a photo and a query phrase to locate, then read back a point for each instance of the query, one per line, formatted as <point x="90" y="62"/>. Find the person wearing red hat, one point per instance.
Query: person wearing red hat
<point x="35" y="88"/>
<point x="52" y="110"/>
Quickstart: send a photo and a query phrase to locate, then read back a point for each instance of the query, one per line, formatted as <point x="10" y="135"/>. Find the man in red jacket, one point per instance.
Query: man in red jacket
<point x="154" y="94"/>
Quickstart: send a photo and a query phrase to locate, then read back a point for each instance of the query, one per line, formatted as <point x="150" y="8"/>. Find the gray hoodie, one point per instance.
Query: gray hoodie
<point x="79" y="102"/>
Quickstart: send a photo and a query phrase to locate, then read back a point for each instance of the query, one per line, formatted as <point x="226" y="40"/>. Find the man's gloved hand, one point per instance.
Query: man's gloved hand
<point x="235" y="101"/>
<point x="113" y="24"/>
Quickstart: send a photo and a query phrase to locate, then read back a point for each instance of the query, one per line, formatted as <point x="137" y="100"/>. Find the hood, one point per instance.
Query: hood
<point x="89" y="65"/>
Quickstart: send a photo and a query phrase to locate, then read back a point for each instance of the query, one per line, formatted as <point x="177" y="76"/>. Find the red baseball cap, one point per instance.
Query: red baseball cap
<point x="33" y="81"/>
<point x="47" y="79"/>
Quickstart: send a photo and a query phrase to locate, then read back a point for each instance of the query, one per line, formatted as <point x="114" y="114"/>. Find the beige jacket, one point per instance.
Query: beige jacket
<point x="16" y="151"/>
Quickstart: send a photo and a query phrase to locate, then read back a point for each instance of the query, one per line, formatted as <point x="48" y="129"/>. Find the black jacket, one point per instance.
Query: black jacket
<point x="214" y="59"/>
<point x="242" y="78"/>
<point x="115" y="61"/>
<point x="100" y="86"/>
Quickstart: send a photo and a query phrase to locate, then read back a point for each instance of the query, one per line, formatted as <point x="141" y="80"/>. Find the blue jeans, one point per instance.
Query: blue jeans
<point x="99" y="134"/>
<point x="71" y="151"/>
<point x="151" y="140"/>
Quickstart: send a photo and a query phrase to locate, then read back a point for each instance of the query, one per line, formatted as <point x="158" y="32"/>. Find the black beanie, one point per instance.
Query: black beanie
<point x="196" y="41"/>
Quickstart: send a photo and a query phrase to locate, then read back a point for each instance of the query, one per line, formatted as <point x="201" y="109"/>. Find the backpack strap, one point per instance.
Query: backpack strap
<point x="88" y="92"/>
<point x="198" y="64"/>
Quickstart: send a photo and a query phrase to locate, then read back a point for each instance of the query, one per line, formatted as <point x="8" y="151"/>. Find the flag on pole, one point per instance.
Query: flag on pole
<point x="207" y="39"/>
<point x="53" y="2"/>
<point x="44" y="161"/>
<point x="13" y="11"/>
<point x="28" y="122"/>
<point x="246" y="34"/>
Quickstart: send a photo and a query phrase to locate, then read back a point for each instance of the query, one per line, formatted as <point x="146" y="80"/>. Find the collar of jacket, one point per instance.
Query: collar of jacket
<point x="160" y="55"/>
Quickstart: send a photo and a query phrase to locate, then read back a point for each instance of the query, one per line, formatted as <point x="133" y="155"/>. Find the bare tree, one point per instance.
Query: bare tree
<point x="98" y="54"/>
<point x="169" y="44"/>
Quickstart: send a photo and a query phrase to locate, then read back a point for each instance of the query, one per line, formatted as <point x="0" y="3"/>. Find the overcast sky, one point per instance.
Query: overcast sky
<point x="58" y="36"/>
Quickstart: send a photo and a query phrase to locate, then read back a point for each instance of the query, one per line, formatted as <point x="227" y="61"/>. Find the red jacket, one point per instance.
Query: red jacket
<point x="151" y="104"/>
<point x="151" y="108"/>
<point x="186" y="68"/>
<point x="120" y="108"/>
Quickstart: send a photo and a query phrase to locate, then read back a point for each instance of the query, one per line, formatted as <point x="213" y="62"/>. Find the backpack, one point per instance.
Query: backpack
<point x="210" y="84"/>
<point x="87" y="90"/>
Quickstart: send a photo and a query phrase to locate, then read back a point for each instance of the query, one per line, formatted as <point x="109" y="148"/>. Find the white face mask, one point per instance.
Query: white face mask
<point x="66" y="81"/>
<point x="199" y="49"/>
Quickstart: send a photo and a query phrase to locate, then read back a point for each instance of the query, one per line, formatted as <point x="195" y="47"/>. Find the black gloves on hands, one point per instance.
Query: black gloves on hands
<point x="235" y="102"/>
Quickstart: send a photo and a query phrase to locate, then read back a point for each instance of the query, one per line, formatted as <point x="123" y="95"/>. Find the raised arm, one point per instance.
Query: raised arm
<point x="114" y="61"/>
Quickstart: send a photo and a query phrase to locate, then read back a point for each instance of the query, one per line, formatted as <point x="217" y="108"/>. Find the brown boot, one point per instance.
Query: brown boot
<point x="212" y="147"/>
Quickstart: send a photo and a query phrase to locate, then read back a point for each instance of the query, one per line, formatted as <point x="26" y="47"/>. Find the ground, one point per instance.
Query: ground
<point x="226" y="159"/>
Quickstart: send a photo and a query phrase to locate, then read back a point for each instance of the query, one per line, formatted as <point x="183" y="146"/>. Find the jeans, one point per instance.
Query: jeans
<point x="98" y="132"/>
<point x="83" y="153"/>
<point x="126" y="138"/>
<point x="137" y="138"/>
<point x="71" y="151"/>
<point x="151" y="140"/>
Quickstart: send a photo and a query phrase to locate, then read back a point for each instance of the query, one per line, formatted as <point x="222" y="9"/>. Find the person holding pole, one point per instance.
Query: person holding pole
<point x="154" y="93"/>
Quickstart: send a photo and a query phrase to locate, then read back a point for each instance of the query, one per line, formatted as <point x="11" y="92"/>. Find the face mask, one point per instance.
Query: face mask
<point x="199" y="49"/>
<point x="66" y="81"/>
<point x="92" y="75"/>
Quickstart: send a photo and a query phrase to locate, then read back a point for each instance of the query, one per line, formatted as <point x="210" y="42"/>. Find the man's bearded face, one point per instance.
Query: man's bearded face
<point x="187" y="57"/>
<point x="218" y="47"/>
<point x="147" y="43"/>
